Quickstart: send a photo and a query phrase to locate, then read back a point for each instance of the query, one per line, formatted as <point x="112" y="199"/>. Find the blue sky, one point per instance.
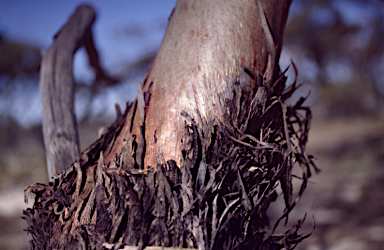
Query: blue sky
<point x="124" y="30"/>
<point x="38" y="20"/>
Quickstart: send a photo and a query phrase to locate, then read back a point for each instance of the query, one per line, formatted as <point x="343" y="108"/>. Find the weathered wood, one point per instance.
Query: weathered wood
<point x="57" y="88"/>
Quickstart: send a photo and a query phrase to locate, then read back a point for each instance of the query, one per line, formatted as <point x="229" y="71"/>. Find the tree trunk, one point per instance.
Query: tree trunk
<point x="57" y="92"/>
<point x="57" y="89"/>
<point x="206" y="44"/>
<point x="196" y="159"/>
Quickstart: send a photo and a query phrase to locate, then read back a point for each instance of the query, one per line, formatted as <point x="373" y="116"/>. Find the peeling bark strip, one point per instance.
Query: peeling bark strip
<point x="216" y="199"/>
<point x="196" y="160"/>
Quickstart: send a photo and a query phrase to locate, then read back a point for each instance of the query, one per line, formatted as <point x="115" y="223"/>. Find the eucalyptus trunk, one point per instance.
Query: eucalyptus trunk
<point x="196" y="160"/>
<point x="206" y="44"/>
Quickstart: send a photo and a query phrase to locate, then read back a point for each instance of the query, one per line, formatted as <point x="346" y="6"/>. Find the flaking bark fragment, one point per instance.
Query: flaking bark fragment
<point x="217" y="198"/>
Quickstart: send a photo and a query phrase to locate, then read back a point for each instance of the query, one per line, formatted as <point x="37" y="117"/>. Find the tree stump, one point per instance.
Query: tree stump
<point x="197" y="159"/>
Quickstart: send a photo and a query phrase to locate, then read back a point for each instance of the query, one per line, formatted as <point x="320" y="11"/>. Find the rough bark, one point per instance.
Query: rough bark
<point x="196" y="159"/>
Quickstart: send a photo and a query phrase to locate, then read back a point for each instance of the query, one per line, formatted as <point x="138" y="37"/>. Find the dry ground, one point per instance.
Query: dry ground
<point x="347" y="197"/>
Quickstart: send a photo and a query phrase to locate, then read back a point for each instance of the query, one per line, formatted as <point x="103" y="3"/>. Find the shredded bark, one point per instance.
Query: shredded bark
<point x="217" y="198"/>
